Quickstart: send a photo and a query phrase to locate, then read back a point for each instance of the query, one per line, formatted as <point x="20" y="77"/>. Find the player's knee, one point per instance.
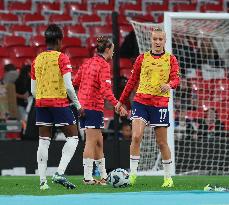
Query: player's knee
<point x="136" y="138"/>
<point x="162" y="144"/>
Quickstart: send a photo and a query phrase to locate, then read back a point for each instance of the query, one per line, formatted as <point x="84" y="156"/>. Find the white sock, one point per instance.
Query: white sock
<point x="88" y="168"/>
<point x="67" y="153"/>
<point x="100" y="163"/>
<point x="167" y="165"/>
<point x="42" y="157"/>
<point x="134" y="160"/>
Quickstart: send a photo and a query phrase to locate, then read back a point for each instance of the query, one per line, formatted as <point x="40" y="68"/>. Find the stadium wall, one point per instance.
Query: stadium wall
<point x="23" y="154"/>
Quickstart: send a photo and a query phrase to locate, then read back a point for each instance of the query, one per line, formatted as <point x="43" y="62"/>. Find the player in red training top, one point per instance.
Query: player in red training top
<point x="50" y="85"/>
<point x="157" y="72"/>
<point x="94" y="82"/>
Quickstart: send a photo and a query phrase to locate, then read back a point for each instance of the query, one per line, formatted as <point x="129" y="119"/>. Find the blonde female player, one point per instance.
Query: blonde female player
<point x="94" y="82"/>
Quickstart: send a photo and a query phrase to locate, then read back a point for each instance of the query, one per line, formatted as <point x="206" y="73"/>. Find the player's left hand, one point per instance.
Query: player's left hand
<point x="81" y="112"/>
<point x="123" y="111"/>
<point x="165" y="88"/>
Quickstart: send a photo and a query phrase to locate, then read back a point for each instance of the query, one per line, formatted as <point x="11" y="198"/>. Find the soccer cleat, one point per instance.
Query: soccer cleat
<point x="103" y="182"/>
<point x="62" y="180"/>
<point x="44" y="185"/>
<point x="168" y="182"/>
<point x="90" y="182"/>
<point x="215" y="188"/>
<point x="132" y="179"/>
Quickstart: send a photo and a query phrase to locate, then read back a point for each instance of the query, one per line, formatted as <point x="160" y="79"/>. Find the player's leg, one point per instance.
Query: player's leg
<point x="63" y="117"/>
<point x="161" y="138"/>
<point x="44" y="121"/>
<point x="138" y="127"/>
<point x="100" y="159"/>
<point x="89" y="154"/>
<point x="93" y="123"/>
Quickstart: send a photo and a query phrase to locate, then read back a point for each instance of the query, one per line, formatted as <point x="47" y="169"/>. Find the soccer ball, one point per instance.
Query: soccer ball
<point x="118" y="178"/>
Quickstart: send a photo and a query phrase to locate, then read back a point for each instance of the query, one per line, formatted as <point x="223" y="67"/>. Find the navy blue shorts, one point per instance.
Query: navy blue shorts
<point x="54" y="116"/>
<point x="92" y="119"/>
<point x="153" y="116"/>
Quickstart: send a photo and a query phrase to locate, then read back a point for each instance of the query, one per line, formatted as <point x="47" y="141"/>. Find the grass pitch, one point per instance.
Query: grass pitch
<point x="30" y="185"/>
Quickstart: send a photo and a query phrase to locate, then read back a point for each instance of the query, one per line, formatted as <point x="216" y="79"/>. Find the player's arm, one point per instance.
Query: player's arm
<point x="133" y="80"/>
<point x="105" y="82"/>
<point x="33" y="80"/>
<point x="66" y="69"/>
<point x="174" y="78"/>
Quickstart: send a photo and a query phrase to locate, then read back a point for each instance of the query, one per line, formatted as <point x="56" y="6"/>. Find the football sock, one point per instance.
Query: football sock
<point x="67" y="153"/>
<point x="134" y="160"/>
<point x="42" y="157"/>
<point x="88" y="168"/>
<point x="100" y="163"/>
<point x="167" y="165"/>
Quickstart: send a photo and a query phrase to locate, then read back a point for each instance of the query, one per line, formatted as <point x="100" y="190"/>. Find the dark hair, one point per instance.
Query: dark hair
<point x="9" y="67"/>
<point x="102" y="43"/>
<point x="52" y="34"/>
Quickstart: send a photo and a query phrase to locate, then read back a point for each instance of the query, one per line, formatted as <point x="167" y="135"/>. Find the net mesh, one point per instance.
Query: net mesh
<point x="201" y="107"/>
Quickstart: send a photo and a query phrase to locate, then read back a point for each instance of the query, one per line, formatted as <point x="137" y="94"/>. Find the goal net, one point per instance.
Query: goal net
<point x="200" y="103"/>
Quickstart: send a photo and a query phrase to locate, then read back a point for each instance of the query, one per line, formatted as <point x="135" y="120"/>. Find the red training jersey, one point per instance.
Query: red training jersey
<point x="147" y="99"/>
<point x="94" y="81"/>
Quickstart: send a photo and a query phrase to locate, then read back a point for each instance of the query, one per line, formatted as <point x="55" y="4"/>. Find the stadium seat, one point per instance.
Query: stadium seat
<point x="76" y="62"/>
<point x="144" y="18"/>
<point x="10" y="41"/>
<point x="125" y="72"/>
<point x="124" y="7"/>
<point x="47" y="8"/>
<point x="22" y="52"/>
<point x="125" y="63"/>
<point x="34" y="19"/>
<point x="61" y="19"/>
<point x="158" y="8"/>
<point x="77" y="52"/>
<point x="75" y="31"/>
<point x="4" y="52"/>
<point x="37" y="41"/>
<point x="185" y="7"/>
<point x="9" y="19"/>
<point x="20" y="7"/>
<point x="89" y="20"/>
<point x="104" y="8"/>
<point x="212" y="7"/>
<point x="40" y="30"/>
<point x="21" y="29"/>
<point x="100" y="30"/>
<point x="70" y="42"/>
<point x="76" y="8"/>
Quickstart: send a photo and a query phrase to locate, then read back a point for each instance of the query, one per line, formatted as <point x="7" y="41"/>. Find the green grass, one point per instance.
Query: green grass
<point x="30" y="185"/>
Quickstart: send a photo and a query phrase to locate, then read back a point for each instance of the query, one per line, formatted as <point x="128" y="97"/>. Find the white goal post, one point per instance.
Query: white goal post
<point x="142" y="31"/>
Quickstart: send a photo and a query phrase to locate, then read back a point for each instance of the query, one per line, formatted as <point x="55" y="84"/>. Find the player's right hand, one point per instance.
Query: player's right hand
<point x="81" y="112"/>
<point x="123" y="112"/>
<point x="117" y="107"/>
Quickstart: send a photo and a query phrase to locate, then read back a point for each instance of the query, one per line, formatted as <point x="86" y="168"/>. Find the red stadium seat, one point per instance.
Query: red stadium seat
<point x="122" y="20"/>
<point x="2" y="8"/>
<point x="9" y="19"/>
<point x="70" y="42"/>
<point x="10" y="41"/>
<point x="47" y="8"/>
<point x="75" y="31"/>
<point x="100" y="30"/>
<point x="158" y="8"/>
<point x="78" y="52"/>
<point x="61" y="19"/>
<point x="34" y="19"/>
<point x="76" y="8"/>
<point x="4" y="52"/>
<point x="20" y="7"/>
<point x="219" y="7"/>
<point x="41" y="29"/>
<point x="22" y="52"/>
<point x="125" y="72"/>
<point x="96" y="8"/>
<point x="125" y="63"/>
<point x="89" y="19"/>
<point x="77" y="62"/>
<point x="123" y="7"/>
<point x="37" y="41"/>
<point x="144" y="18"/>
<point x="185" y="7"/>
<point x="21" y="29"/>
